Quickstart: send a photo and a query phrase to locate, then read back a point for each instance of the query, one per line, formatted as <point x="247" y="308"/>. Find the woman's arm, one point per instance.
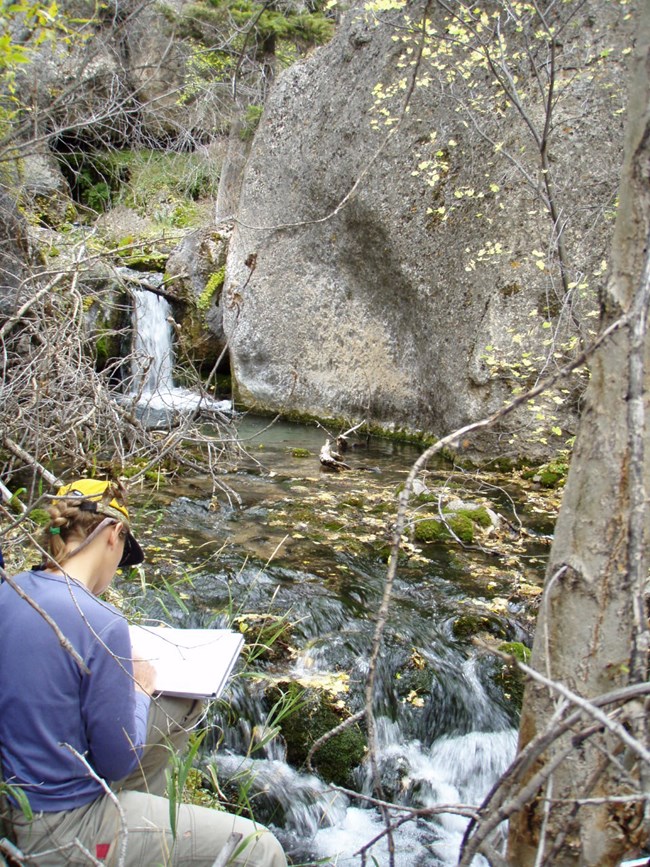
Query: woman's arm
<point x="113" y="711"/>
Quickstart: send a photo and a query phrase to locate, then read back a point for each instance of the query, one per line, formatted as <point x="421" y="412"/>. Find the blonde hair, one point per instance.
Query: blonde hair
<point x="69" y="520"/>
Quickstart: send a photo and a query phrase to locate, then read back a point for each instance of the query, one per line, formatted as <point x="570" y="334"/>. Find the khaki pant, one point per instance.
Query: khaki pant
<point x="133" y="827"/>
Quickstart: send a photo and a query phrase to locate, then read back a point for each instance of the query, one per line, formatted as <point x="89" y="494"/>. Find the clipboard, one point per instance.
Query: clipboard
<point x="193" y="663"/>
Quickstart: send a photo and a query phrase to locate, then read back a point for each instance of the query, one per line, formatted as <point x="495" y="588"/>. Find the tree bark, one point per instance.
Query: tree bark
<point x="586" y="634"/>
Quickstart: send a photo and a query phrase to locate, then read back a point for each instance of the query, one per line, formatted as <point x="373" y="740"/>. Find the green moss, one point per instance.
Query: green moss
<point x="468" y="625"/>
<point x="301" y="453"/>
<point x="212" y="287"/>
<point x="422" y="499"/>
<point x="40" y="517"/>
<point x="131" y="469"/>
<point x="145" y="261"/>
<point x="338" y="757"/>
<point x="478" y="516"/>
<point x="550" y="478"/>
<point x="185" y="215"/>
<point x="430" y="530"/>
<point x="509" y="678"/>
<point x="549" y="475"/>
<point x="50" y="211"/>
<point x="102" y="351"/>
<point x="516" y="649"/>
<point x="436" y="530"/>
<point x="462" y="526"/>
<point x="402" y="435"/>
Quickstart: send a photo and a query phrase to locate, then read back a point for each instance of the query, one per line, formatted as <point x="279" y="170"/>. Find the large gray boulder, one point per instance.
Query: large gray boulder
<point x="427" y="298"/>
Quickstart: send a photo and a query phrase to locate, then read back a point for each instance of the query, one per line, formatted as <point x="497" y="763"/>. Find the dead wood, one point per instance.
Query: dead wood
<point x="332" y="460"/>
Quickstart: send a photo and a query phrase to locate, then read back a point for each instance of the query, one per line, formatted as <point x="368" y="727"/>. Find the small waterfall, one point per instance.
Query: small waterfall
<point x="316" y="822"/>
<point x="152" y="362"/>
<point x="455" y="762"/>
<point x="454" y="770"/>
<point x="153" y="355"/>
<point x="446" y="728"/>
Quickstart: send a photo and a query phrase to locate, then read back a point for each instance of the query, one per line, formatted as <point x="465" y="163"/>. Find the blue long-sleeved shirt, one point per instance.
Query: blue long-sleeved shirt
<point x="47" y="701"/>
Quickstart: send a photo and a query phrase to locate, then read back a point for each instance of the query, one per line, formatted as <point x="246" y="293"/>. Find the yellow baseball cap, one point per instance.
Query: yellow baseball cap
<point x="93" y="492"/>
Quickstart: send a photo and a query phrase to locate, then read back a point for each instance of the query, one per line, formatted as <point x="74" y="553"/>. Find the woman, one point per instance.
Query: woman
<point x="77" y="713"/>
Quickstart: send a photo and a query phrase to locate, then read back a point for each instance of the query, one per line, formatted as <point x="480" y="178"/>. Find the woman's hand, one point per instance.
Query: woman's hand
<point x="144" y="675"/>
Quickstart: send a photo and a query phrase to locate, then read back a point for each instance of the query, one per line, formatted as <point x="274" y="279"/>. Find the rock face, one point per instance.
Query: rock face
<point x="425" y="298"/>
<point x="195" y="275"/>
<point x="43" y="190"/>
<point x="124" y="87"/>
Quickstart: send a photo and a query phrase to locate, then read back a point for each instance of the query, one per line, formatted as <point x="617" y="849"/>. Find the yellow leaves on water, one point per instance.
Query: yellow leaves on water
<point x="335" y="683"/>
<point x="497" y="605"/>
<point x="417" y="660"/>
<point x="529" y="589"/>
<point x="414" y="699"/>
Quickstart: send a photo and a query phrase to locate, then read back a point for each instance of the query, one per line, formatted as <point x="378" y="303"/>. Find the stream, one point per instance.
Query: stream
<point x="289" y="551"/>
<point x="296" y="557"/>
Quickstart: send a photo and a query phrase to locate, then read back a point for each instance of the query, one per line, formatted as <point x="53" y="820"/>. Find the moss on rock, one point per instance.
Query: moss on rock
<point x="437" y="530"/>
<point x="212" y="289"/>
<point x="338" y="757"/>
<point x="145" y="261"/>
<point x="508" y="677"/>
<point x="478" y="515"/>
<point x="549" y="475"/>
<point x="468" y="625"/>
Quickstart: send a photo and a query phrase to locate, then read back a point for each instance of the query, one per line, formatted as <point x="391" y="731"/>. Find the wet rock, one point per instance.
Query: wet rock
<point x="336" y="760"/>
<point x="195" y="274"/>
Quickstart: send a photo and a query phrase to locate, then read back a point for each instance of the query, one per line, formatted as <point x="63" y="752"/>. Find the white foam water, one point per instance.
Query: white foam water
<point x="153" y="356"/>
<point x="318" y="820"/>
<point x="152" y="363"/>
<point x="454" y="770"/>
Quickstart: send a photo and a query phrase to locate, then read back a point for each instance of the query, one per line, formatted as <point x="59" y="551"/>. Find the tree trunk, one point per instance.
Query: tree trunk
<point x="586" y="632"/>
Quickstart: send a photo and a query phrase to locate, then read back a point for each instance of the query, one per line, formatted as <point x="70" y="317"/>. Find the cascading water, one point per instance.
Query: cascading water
<point x="319" y="824"/>
<point x="152" y="362"/>
<point x="445" y="730"/>
<point x="153" y="355"/>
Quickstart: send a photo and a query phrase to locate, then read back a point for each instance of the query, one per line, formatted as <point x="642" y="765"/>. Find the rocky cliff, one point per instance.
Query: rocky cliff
<point x="416" y="269"/>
